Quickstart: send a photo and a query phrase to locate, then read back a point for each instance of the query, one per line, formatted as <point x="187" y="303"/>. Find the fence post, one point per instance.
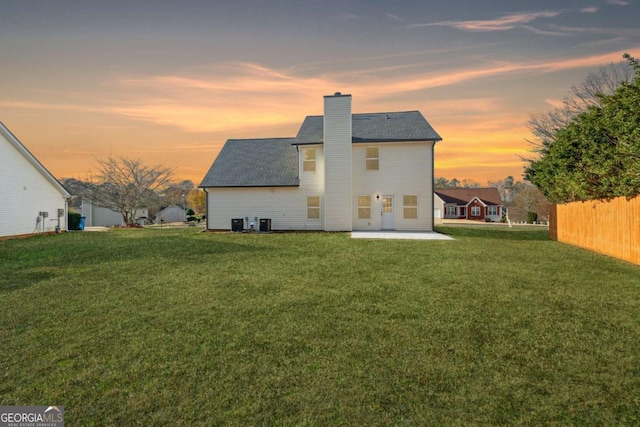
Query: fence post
<point x="553" y="222"/>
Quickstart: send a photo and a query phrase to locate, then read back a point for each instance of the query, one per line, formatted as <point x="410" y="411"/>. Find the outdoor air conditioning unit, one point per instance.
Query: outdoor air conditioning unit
<point x="237" y="224"/>
<point x="265" y="225"/>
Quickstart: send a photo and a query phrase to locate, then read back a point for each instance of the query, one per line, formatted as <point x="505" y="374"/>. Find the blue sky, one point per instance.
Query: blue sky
<point x="169" y="82"/>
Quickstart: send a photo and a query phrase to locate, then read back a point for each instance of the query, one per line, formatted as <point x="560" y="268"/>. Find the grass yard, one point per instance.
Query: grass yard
<point x="175" y="327"/>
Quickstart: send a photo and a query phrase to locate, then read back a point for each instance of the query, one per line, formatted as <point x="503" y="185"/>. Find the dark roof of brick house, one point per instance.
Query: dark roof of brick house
<point x="462" y="196"/>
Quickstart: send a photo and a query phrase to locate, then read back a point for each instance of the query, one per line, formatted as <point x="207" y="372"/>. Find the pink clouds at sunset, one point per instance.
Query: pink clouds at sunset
<point x="170" y="84"/>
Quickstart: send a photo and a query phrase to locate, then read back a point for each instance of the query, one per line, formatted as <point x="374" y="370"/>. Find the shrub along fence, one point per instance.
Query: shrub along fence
<point x="610" y="227"/>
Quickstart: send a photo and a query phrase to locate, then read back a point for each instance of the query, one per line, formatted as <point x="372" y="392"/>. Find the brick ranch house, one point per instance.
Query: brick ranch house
<point x="479" y="204"/>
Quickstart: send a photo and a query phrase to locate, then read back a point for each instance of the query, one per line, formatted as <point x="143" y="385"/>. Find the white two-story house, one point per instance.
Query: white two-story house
<point x="342" y="172"/>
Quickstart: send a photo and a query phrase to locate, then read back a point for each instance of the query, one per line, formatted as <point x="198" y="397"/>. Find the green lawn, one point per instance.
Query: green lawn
<point x="176" y="327"/>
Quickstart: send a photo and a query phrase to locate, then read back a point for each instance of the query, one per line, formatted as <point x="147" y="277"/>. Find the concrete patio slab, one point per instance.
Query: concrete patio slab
<point x="406" y="235"/>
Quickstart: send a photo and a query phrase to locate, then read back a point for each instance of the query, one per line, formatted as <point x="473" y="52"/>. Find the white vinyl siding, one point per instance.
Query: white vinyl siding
<point x="405" y="168"/>
<point x="285" y="206"/>
<point x="25" y="192"/>
<point x="337" y="166"/>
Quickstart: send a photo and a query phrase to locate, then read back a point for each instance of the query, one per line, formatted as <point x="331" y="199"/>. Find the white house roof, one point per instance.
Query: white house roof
<point x="273" y="162"/>
<point x="269" y="162"/>
<point x="374" y="127"/>
<point x="32" y="159"/>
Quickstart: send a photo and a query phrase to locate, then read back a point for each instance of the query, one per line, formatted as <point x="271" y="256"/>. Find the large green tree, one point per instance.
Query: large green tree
<point x="596" y="155"/>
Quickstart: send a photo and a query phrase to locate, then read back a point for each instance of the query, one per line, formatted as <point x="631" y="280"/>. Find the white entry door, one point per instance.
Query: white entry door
<point x="388" y="216"/>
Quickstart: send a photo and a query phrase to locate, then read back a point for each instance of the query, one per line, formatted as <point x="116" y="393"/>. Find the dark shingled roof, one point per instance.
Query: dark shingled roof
<point x="255" y="163"/>
<point x="462" y="196"/>
<point x="374" y="127"/>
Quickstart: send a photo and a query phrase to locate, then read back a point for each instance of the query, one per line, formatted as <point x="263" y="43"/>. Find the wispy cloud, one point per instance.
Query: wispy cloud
<point x="604" y="42"/>
<point x="217" y="103"/>
<point x="591" y="9"/>
<point x="240" y="98"/>
<point x="618" y="2"/>
<point x="394" y="17"/>
<point x="397" y="55"/>
<point x="545" y="32"/>
<point x="53" y="106"/>
<point x="504" y="23"/>
<point x="611" y="31"/>
<point x="421" y="82"/>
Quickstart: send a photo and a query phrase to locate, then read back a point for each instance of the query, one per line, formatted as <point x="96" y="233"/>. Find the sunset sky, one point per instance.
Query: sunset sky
<point x="169" y="82"/>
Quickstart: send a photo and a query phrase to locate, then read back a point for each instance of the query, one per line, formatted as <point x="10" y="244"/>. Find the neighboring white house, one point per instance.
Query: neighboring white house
<point x="33" y="201"/>
<point x="342" y="172"/>
<point x="173" y="213"/>
<point x="99" y="216"/>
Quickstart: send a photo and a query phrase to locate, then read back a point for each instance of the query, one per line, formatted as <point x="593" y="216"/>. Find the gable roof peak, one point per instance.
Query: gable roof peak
<point x="374" y="127"/>
<point x="13" y="140"/>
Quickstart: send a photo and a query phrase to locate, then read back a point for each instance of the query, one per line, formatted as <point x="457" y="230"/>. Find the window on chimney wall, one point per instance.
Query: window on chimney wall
<point x="373" y="158"/>
<point x="309" y="160"/>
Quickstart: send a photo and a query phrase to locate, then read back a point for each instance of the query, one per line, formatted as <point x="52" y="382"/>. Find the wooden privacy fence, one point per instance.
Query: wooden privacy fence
<point x="609" y="227"/>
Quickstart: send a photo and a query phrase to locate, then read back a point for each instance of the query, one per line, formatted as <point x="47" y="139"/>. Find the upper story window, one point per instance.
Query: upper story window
<point x="373" y="158"/>
<point x="309" y="160"/>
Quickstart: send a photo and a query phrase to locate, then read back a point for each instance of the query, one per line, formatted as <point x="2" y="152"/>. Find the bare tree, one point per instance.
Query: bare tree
<point x="603" y="82"/>
<point x="505" y="188"/>
<point x="176" y="193"/>
<point x="128" y="185"/>
<point x="529" y="199"/>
